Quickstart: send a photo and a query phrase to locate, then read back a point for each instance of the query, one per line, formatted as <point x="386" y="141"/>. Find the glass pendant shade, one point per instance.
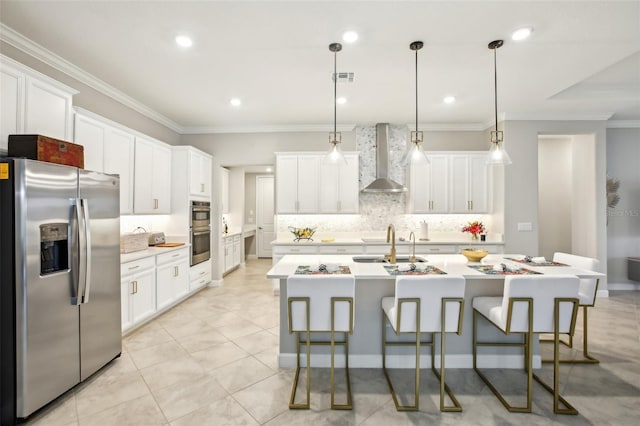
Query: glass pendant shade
<point x="334" y="155"/>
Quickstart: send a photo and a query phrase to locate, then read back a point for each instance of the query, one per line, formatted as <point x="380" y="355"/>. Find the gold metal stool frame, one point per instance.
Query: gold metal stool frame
<point x="331" y="342"/>
<point x="418" y="344"/>
<point x="527" y="346"/>
<point x="586" y="357"/>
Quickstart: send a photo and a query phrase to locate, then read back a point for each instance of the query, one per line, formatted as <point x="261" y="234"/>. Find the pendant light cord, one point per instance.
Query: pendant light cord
<point x="495" y="86"/>
<point x="416" y="90"/>
<point x="335" y="94"/>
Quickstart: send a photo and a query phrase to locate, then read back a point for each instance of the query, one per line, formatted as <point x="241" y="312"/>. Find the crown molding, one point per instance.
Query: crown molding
<point x="448" y="127"/>
<point x="17" y="40"/>
<point x="623" y="124"/>
<point x="268" y="129"/>
<point x="557" y="117"/>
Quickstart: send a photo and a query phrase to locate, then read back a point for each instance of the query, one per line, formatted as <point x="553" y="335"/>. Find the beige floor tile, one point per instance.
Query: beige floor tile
<point x="198" y="342"/>
<point x="242" y="373"/>
<point x="157" y="354"/>
<point x="177" y="401"/>
<point x="239" y="328"/>
<point x="267" y="398"/>
<point x="149" y="335"/>
<point x="225" y="412"/>
<point x="257" y="342"/>
<point x="219" y="355"/>
<point x="102" y="392"/>
<point x="174" y="372"/>
<point x="134" y="412"/>
<point x="269" y="358"/>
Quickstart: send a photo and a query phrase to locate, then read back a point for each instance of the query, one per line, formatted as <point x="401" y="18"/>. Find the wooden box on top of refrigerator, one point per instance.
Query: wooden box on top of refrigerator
<point x="44" y="148"/>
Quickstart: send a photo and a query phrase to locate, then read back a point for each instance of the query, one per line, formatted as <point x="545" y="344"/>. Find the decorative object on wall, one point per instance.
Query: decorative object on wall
<point x="415" y="153"/>
<point x="497" y="153"/>
<point x="612" y="192"/>
<point x="335" y="138"/>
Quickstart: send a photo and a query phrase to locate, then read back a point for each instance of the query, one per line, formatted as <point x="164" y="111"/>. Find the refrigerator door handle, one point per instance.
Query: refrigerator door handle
<point x="74" y="251"/>
<point x="87" y="250"/>
<point x="82" y="249"/>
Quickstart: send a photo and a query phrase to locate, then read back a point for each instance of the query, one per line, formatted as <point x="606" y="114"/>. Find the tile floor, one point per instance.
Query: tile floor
<point x="212" y="361"/>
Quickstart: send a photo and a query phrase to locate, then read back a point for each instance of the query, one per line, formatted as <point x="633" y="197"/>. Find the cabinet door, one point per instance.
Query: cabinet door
<point x="47" y="110"/>
<point x="91" y="134"/>
<point x="164" y="290"/>
<point x="329" y="189"/>
<point x="200" y="184"/>
<point x="126" y="288"/>
<point x="119" y="151"/>
<point x="439" y="184"/>
<point x="162" y="178"/>
<point x="224" y="190"/>
<point x="11" y="104"/>
<point x="349" y="185"/>
<point x="143" y="300"/>
<point x="143" y="180"/>
<point x="228" y="254"/>
<point x="237" y="251"/>
<point x="308" y="183"/>
<point x="479" y="184"/>
<point x="460" y="200"/>
<point x="181" y="279"/>
<point x="286" y="183"/>
<point x="419" y="193"/>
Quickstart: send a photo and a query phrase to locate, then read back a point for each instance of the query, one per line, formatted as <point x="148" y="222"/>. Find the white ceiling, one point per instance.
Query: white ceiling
<point x="583" y="60"/>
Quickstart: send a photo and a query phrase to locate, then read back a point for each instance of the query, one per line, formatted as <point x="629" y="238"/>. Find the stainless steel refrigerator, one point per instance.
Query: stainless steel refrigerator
<point x="60" y="290"/>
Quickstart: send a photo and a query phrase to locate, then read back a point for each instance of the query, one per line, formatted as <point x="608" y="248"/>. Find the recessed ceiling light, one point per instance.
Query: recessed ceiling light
<point x="269" y="169"/>
<point x="349" y="36"/>
<point x="449" y="99"/>
<point x="235" y="102"/>
<point x="521" y="34"/>
<point x="341" y="101"/>
<point x="184" y="41"/>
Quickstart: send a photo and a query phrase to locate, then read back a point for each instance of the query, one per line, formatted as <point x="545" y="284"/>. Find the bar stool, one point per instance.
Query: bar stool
<point x="320" y="303"/>
<point x="586" y="298"/>
<point x="424" y="304"/>
<point x="530" y="304"/>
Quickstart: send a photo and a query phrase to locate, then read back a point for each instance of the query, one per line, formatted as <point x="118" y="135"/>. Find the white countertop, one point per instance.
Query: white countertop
<point x="454" y="264"/>
<point x="377" y="241"/>
<point x="151" y="251"/>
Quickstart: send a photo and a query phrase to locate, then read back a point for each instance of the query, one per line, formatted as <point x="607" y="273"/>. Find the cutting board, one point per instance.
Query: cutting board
<point x="169" y="244"/>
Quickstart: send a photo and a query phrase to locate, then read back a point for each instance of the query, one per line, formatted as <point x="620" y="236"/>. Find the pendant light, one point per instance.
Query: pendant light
<point x="497" y="153"/>
<point x="335" y="138"/>
<point x="415" y="153"/>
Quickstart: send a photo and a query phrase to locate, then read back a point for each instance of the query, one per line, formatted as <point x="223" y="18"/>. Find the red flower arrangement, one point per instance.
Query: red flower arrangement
<point x="474" y="228"/>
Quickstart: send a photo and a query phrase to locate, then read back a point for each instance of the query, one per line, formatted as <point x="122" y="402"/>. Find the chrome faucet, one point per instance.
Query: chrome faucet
<point x="391" y="233"/>
<point x="412" y="259"/>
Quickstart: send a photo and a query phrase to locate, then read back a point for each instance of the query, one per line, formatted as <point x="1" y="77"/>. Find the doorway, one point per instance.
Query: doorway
<point x="265" y="214"/>
<point x="566" y="195"/>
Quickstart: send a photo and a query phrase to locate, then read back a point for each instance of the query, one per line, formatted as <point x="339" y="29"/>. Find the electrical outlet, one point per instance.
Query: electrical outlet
<point x="525" y="226"/>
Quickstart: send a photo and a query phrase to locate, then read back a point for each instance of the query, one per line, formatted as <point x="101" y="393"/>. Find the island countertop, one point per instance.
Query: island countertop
<point x="454" y="264"/>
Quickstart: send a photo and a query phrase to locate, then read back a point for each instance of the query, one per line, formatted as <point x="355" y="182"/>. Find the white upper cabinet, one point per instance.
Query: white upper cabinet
<point x="297" y="178"/>
<point x="199" y="174"/>
<point x="108" y="149"/>
<point x="224" y="190"/>
<point x="152" y="182"/>
<point x="338" y="186"/>
<point x="32" y="103"/>
<point x="429" y="186"/>
<point x="469" y="183"/>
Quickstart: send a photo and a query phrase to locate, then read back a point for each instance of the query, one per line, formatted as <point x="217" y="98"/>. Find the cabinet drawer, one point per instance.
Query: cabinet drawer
<point x="341" y="249"/>
<point x="137" y="266"/>
<point x="200" y="271"/>
<point x="437" y="249"/>
<point x="282" y="250"/>
<point x="172" y="256"/>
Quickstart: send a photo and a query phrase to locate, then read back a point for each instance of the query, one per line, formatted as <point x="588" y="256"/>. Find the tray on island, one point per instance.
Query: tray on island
<point x="308" y="270"/>
<point x="529" y="262"/>
<point x="422" y="270"/>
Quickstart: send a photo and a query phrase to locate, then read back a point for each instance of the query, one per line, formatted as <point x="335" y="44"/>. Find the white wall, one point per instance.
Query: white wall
<point x="521" y="184"/>
<point x="623" y="230"/>
<point x="585" y="187"/>
<point x="555" y="188"/>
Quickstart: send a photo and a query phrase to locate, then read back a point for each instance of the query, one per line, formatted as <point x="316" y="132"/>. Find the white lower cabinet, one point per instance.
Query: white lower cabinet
<point x="138" y="291"/>
<point x="199" y="275"/>
<point x="232" y="252"/>
<point x="172" y="281"/>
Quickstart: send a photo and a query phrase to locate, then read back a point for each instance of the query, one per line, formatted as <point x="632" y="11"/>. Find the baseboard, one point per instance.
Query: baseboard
<point x="288" y="360"/>
<point x="252" y="256"/>
<point x="623" y="286"/>
<point x="602" y="293"/>
<point x="215" y="283"/>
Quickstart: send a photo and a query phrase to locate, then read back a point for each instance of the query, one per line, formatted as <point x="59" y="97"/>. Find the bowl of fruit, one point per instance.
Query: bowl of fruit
<point x="474" y="255"/>
<point x="302" y="233"/>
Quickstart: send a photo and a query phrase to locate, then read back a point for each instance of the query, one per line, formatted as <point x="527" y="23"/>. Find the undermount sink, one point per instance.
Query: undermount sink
<point x="381" y="259"/>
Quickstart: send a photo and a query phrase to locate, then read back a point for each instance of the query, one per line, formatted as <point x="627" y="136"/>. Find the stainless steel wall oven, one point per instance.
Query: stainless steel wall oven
<point x="200" y="231"/>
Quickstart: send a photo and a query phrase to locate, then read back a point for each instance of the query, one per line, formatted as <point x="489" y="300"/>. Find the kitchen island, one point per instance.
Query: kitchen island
<point x="373" y="282"/>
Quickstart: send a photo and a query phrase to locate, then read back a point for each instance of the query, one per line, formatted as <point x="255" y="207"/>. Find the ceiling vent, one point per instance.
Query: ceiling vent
<point x="344" y="77"/>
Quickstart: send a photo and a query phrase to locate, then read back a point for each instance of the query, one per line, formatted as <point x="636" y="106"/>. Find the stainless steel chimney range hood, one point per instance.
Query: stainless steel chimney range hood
<point x="383" y="183"/>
